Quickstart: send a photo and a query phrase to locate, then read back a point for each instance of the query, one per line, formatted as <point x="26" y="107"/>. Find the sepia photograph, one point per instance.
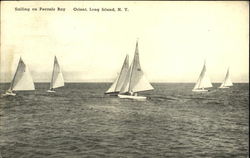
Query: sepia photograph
<point x="124" y="79"/>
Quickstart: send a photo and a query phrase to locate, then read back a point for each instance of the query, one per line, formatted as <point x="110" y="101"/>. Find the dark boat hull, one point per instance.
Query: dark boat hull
<point x="112" y="94"/>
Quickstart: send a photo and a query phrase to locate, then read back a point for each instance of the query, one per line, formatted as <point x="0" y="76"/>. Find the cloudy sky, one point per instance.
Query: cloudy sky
<point x="174" y="39"/>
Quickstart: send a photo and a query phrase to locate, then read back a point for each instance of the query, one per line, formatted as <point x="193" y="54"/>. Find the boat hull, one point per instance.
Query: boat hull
<point x="112" y="94"/>
<point x="51" y="91"/>
<point x="200" y="90"/>
<point x="223" y="87"/>
<point x="132" y="97"/>
<point x="8" y="94"/>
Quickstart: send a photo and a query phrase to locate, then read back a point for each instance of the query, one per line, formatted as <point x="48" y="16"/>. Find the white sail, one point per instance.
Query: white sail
<point x="117" y="85"/>
<point x="112" y="87"/>
<point x="22" y="80"/>
<point x="125" y="86"/>
<point x="135" y="80"/>
<point x="203" y="80"/>
<point x="57" y="77"/>
<point x="123" y="73"/>
<point x="227" y="81"/>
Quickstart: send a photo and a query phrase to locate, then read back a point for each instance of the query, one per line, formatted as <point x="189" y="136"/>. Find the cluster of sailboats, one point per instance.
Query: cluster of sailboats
<point x="130" y="81"/>
<point x="204" y="81"/>
<point x="22" y="80"/>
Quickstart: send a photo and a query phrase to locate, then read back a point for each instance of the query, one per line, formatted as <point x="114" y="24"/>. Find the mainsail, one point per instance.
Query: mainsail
<point x="22" y="80"/>
<point x="57" y="77"/>
<point x="203" y="80"/>
<point x="227" y="81"/>
<point x="117" y="85"/>
<point x="135" y="80"/>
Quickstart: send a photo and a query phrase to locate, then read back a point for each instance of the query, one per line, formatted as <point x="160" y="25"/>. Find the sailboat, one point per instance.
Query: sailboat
<point x="117" y="84"/>
<point x="203" y="81"/>
<point x="22" y="80"/>
<point x="57" y="77"/>
<point x="135" y="80"/>
<point x="227" y="81"/>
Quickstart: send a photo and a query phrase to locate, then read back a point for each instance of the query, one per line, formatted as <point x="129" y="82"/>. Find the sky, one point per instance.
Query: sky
<point x="174" y="39"/>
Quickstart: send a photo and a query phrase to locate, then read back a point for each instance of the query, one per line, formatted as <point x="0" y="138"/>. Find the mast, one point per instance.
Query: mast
<point x="133" y="63"/>
<point x="202" y="75"/>
<point x="51" y="82"/>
